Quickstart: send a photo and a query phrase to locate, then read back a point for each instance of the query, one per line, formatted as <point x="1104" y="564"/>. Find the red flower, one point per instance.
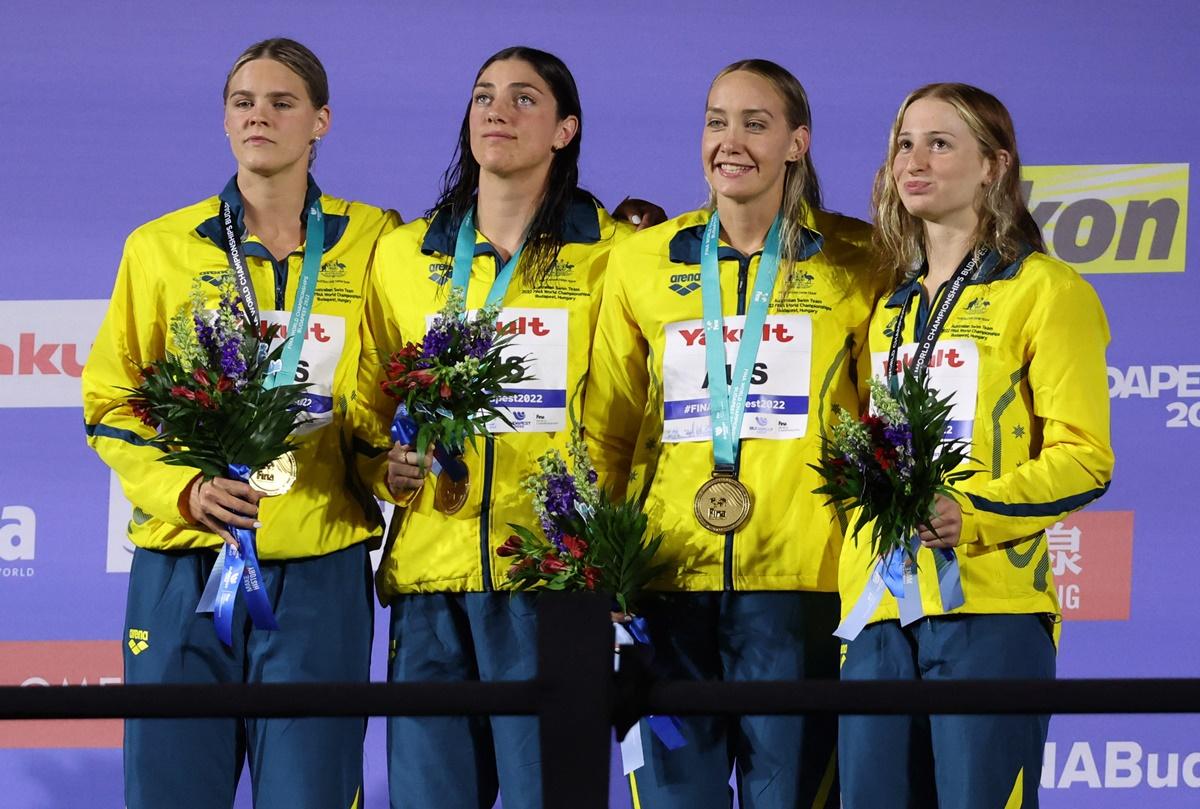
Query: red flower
<point x="511" y="546"/>
<point x="420" y="378"/>
<point x="201" y="377"/>
<point x="552" y="565"/>
<point x="411" y="351"/>
<point x="882" y="457"/>
<point x="183" y="393"/>
<point x="575" y="546"/>
<point x="224" y="384"/>
<point x="591" y="577"/>
<point x="519" y="566"/>
<point x="205" y="400"/>
<point x="445" y="391"/>
<point x="141" y="409"/>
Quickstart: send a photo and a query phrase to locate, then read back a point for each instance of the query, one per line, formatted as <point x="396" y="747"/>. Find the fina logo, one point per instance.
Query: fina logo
<point x="1112" y="218"/>
<point x="18" y="526"/>
<point x="684" y="283"/>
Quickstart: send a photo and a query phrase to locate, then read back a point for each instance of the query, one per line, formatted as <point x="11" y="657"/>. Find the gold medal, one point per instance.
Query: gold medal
<point x="276" y="477"/>
<point x="449" y="496"/>
<point x="722" y="504"/>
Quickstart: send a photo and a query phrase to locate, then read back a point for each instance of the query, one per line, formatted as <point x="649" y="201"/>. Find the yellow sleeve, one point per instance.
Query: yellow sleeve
<point x="131" y="336"/>
<point x="372" y="411"/>
<point x="1068" y="379"/>
<point x="618" y="381"/>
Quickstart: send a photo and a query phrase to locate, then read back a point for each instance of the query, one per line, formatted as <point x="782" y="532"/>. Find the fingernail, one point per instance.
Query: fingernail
<point x="257" y="524"/>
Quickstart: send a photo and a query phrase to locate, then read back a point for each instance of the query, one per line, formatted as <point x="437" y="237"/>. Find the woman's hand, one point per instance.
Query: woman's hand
<point x="218" y="503"/>
<point x="639" y="212"/>
<point x="947" y="521"/>
<point x="406" y="469"/>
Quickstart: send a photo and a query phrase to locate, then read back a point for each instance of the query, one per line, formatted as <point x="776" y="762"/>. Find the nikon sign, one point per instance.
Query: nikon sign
<point x="1119" y="218"/>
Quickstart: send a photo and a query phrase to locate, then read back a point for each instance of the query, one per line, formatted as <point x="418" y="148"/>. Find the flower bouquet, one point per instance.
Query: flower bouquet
<point x="587" y="541"/>
<point x="448" y="385"/>
<point x="590" y="542"/>
<point x="888" y="466"/>
<point x="215" y="404"/>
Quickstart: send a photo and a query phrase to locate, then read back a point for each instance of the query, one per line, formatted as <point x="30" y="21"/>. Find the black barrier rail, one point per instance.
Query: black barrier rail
<point x="579" y="701"/>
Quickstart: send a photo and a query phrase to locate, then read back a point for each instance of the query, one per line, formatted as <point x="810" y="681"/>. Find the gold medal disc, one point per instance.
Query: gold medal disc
<point x="449" y="496"/>
<point x="722" y="504"/>
<point x="276" y="477"/>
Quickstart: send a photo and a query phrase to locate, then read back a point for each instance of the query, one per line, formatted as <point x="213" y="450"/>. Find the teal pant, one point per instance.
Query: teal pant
<point x="946" y="761"/>
<point x="780" y="762"/>
<point x="461" y="761"/>
<point x="325" y="613"/>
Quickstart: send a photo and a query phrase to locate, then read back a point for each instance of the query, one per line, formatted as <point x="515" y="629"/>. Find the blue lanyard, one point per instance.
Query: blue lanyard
<point x="728" y="401"/>
<point x="306" y="288"/>
<point x="284" y="372"/>
<point x="464" y="257"/>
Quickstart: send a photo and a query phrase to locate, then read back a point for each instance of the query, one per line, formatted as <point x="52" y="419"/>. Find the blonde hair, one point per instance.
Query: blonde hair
<point x="801" y="190"/>
<point x="1005" y="224"/>
<point x="292" y="55"/>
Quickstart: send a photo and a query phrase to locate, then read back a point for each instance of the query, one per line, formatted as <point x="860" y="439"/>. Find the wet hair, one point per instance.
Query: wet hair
<point x="1005" y="224"/>
<point x="460" y="182"/>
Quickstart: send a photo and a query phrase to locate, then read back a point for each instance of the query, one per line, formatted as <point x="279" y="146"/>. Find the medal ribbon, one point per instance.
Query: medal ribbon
<point x="232" y="566"/>
<point x="283" y="371"/>
<point x="464" y="257"/>
<point x="727" y="402"/>
<point x="894" y="572"/>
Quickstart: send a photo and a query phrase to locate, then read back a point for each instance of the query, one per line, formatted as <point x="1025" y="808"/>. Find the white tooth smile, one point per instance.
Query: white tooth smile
<point x="733" y="168"/>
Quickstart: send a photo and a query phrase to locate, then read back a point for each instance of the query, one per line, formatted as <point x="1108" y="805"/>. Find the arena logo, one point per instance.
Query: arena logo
<point x="18" y="542"/>
<point x="1177" y="382"/>
<point x="1112" y="218"/>
<point x="51" y="663"/>
<point x="43" y="346"/>
<point x="1091" y="556"/>
<point x="1121" y="765"/>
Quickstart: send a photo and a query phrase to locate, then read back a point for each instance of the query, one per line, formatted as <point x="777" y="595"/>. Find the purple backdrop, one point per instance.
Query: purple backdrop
<point x="112" y="116"/>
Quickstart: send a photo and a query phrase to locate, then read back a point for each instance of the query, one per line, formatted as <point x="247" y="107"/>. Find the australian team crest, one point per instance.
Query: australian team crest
<point x="802" y="279"/>
<point x="333" y="269"/>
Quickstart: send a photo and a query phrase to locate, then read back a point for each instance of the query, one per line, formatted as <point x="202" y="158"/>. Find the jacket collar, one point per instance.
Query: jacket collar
<point x="685" y="245"/>
<point x="990" y="271"/>
<point x="581" y="226"/>
<point x="211" y="228"/>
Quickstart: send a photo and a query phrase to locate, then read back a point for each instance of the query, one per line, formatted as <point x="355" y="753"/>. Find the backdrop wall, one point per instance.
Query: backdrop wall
<point x="112" y="116"/>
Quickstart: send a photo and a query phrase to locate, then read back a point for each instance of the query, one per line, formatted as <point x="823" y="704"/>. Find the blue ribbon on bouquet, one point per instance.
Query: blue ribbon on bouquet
<point x="404" y="431"/>
<point x="668" y="729"/>
<point x="895" y="573"/>
<point x="234" y="567"/>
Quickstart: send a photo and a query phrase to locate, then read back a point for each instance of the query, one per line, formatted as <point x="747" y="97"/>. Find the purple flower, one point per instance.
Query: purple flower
<point x="205" y="334"/>
<point x="561" y="495"/>
<point x="899" y="435"/>
<point x="233" y="365"/>
<point x="436" y="341"/>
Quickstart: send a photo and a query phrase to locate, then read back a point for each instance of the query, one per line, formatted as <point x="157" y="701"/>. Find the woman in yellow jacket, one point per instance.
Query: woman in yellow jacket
<point x="512" y="192"/>
<point x="1018" y="338"/>
<point x="726" y="337"/>
<point x="313" y="540"/>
